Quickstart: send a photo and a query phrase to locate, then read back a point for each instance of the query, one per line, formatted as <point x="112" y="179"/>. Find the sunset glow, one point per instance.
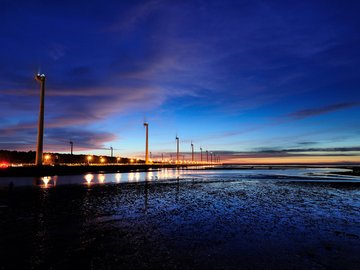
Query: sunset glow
<point x="230" y="77"/>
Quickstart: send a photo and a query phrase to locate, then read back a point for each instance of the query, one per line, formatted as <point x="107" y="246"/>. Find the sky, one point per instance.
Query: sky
<point x="252" y="81"/>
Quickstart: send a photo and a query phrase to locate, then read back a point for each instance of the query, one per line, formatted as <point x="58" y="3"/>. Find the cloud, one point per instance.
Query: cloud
<point x="323" y="110"/>
<point x="23" y="137"/>
<point x="299" y="152"/>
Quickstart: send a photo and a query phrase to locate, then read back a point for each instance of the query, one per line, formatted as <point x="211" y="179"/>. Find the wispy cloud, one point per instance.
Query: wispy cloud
<point x="299" y="152"/>
<point x="301" y="114"/>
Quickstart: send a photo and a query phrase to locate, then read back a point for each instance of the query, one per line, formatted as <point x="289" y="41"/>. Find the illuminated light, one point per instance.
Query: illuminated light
<point x="46" y="180"/>
<point x="118" y="177"/>
<point x="4" y="165"/>
<point x="89" y="177"/>
<point x="131" y="160"/>
<point x="101" y="178"/>
<point x="47" y="157"/>
<point x="102" y="160"/>
<point x="89" y="158"/>
<point x="118" y="159"/>
<point x="149" y="175"/>
<point x="131" y="177"/>
<point x="137" y="176"/>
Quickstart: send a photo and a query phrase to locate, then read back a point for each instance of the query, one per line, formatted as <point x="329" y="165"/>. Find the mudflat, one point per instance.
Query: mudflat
<point x="232" y="224"/>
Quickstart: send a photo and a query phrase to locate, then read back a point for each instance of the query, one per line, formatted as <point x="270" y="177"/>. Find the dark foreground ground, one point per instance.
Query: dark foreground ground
<point x="182" y="225"/>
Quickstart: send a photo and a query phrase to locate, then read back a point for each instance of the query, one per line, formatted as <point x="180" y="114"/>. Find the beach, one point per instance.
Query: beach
<point x="208" y="221"/>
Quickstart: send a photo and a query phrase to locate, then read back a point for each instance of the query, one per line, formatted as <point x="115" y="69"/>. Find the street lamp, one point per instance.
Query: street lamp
<point x="89" y="158"/>
<point x="47" y="158"/>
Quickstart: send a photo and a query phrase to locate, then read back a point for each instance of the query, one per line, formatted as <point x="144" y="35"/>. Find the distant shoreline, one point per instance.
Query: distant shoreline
<point x="33" y="171"/>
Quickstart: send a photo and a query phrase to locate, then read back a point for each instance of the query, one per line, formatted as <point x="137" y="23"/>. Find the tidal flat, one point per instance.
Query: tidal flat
<point x="220" y="221"/>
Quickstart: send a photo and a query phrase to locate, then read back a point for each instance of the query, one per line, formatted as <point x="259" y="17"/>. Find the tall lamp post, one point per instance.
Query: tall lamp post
<point x="40" y="137"/>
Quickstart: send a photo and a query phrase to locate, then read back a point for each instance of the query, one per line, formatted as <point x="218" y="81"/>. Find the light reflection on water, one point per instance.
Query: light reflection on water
<point x="118" y="178"/>
<point x="101" y="178"/>
<point x="46" y="181"/>
<point x="166" y="174"/>
<point x="89" y="177"/>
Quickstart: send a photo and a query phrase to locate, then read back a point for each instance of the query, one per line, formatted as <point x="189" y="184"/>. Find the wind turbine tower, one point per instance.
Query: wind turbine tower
<point x="146" y="125"/>
<point x="40" y="137"/>
<point x="192" y="152"/>
<point x="200" y="154"/>
<point x="177" y="149"/>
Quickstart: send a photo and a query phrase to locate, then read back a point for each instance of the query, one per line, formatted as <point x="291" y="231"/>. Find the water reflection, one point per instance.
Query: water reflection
<point x="146" y="196"/>
<point x="45" y="181"/>
<point x="101" y="178"/>
<point x="137" y="176"/>
<point x="89" y="177"/>
<point x="166" y="174"/>
<point x="149" y="176"/>
<point x="131" y="177"/>
<point x="118" y="177"/>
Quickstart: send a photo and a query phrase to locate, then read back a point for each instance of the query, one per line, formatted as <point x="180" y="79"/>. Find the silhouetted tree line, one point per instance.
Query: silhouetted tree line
<point x="17" y="157"/>
<point x="56" y="158"/>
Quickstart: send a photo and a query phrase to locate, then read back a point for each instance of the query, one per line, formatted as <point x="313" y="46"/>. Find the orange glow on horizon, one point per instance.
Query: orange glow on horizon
<point x="295" y="160"/>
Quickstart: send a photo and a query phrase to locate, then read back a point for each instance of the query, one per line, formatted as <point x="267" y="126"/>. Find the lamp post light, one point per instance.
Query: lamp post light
<point x="89" y="158"/>
<point x="40" y="136"/>
<point x="47" y="158"/>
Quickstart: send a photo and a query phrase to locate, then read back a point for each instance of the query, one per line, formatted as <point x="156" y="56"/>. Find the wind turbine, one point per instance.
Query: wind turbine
<point x="146" y="125"/>
<point x="177" y="148"/>
<point x="71" y="147"/>
<point x="192" y="152"/>
<point x="200" y="154"/>
<point x="40" y="136"/>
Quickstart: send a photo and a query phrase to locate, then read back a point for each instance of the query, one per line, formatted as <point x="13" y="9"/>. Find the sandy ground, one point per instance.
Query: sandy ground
<point x="233" y="224"/>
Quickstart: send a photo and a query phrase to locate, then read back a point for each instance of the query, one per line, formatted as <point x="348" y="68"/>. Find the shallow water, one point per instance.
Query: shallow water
<point x="289" y="174"/>
<point x="238" y="219"/>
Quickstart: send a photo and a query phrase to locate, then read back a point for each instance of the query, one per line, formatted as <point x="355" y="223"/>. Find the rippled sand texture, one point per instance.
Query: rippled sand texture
<point x="235" y="224"/>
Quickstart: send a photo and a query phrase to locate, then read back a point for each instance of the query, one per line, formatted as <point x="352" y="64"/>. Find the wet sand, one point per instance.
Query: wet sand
<point x="233" y="224"/>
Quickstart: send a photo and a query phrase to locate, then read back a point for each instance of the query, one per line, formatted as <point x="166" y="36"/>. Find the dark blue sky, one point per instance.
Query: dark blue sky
<point x="248" y="79"/>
